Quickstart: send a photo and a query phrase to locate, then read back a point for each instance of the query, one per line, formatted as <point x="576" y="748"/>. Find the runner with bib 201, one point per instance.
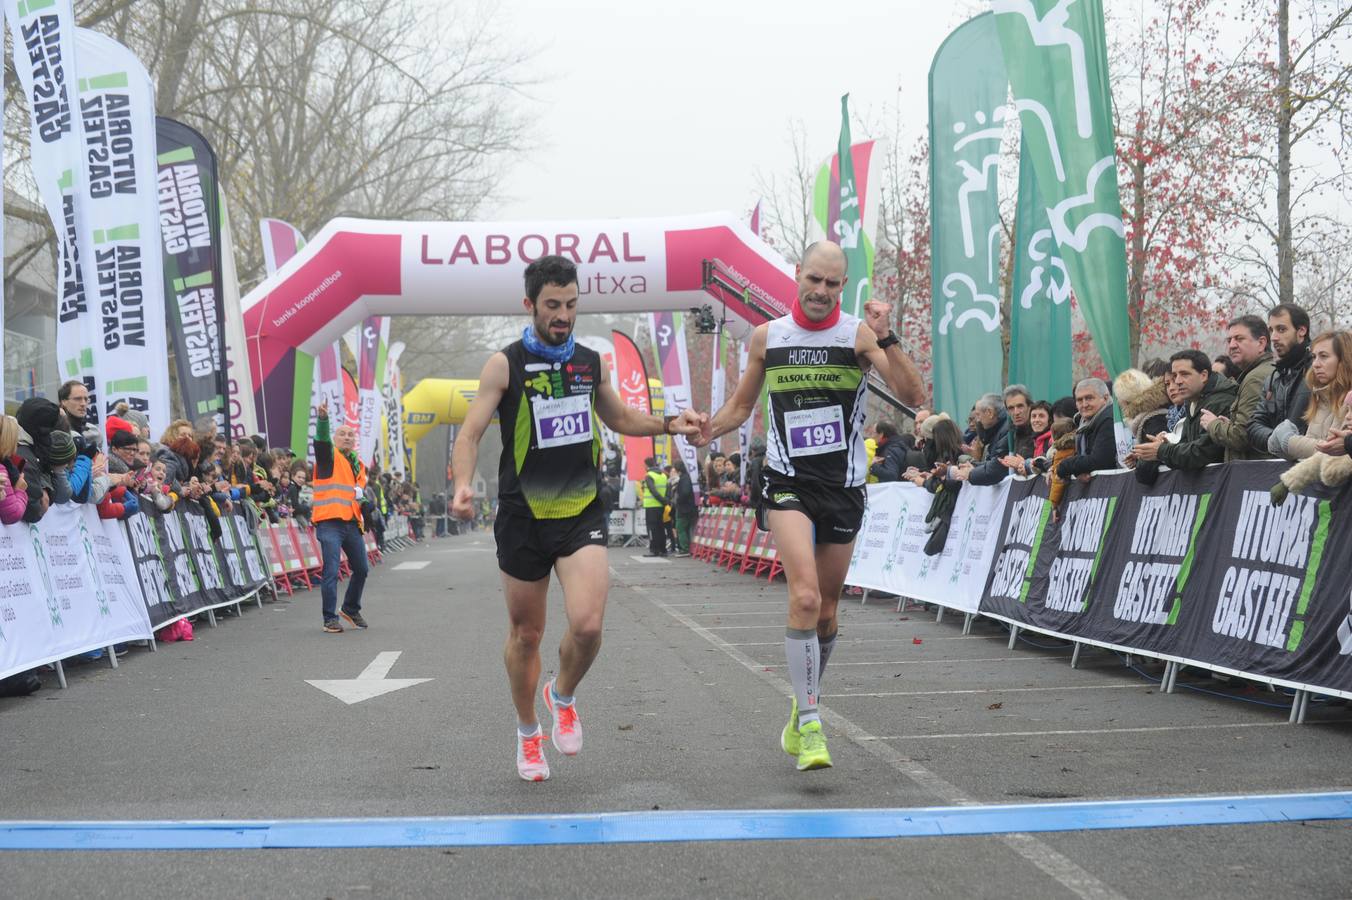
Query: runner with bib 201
<point x="548" y="394"/>
<point x="812" y="488"/>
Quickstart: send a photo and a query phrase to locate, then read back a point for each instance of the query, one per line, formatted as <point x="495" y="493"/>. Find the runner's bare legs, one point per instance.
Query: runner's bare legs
<point x="526" y="626"/>
<point x="585" y="576"/>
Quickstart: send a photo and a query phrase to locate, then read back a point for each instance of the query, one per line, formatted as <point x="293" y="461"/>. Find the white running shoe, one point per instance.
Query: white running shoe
<point x="531" y="764"/>
<point x="567" y="731"/>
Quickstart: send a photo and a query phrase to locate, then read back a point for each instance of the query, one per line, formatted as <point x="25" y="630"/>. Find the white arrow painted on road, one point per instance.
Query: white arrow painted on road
<point x="370" y="683"/>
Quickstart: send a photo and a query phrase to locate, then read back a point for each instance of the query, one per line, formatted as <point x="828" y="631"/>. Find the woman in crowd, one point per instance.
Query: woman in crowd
<point x="37" y="418"/>
<point x="1329" y="378"/>
<point x="1040" y="420"/>
<point x="179" y="452"/>
<point x="1145" y="406"/>
<point x="13" y="488"/>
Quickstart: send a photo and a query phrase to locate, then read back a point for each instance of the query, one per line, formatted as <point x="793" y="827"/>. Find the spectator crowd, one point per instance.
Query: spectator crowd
<point x="1278" y="392"/>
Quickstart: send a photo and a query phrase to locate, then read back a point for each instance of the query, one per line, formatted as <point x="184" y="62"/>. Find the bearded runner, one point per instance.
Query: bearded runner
<point x="815" y="362"/>
<point x="548" y="393"/>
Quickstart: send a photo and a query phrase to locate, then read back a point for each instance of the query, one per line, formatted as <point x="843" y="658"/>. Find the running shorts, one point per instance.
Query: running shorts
<point x="528" y="547"/>
<point x="836" y="512"/>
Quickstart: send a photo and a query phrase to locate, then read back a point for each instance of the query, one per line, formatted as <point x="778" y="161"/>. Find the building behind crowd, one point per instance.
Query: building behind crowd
<point x="30" y="304"/>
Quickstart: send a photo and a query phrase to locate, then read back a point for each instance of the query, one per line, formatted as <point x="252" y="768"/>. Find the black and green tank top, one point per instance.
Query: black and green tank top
<point x="551" y="439"/>
<point x="816" y="392"/>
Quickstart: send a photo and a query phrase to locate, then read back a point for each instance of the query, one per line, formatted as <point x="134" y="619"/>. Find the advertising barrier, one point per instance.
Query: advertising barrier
<point x="1199" y="569"/>
<point x="69" y="586"/>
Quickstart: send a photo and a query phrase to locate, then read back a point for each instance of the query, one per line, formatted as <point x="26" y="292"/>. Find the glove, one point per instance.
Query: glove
<point x="1281" y="436"/>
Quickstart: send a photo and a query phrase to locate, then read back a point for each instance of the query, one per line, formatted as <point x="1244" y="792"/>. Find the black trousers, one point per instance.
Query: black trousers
<point x="657" y="531"/>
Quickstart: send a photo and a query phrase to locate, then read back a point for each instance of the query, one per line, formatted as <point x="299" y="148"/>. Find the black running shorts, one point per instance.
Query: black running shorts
<point x="836" y="512"/>
<point x="528" y="547"/>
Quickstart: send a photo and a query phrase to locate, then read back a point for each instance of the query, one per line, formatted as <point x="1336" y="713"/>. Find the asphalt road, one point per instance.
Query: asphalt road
<point x="682" y="711"/>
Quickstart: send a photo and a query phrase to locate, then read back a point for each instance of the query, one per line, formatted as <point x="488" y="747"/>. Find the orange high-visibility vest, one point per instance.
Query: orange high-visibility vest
<point x="339" y="495"/>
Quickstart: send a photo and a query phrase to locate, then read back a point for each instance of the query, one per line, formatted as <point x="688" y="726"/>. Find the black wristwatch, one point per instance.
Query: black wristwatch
<point x="889" y="341"/>
<point x="666" y="423"/>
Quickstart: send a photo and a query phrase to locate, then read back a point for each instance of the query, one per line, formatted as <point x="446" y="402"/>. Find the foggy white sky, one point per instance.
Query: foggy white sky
<point x="651" y="109"/>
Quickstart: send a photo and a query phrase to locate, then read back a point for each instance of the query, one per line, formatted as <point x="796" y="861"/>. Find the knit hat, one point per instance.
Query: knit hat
<point x="138" y="420"/>
<point x="63" y="448"/>
<point x="114" y="424"/>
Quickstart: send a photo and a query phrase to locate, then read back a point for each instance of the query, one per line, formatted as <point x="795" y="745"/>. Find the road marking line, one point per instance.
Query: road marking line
<point x="939" y="660"/>
<point x="846" y="642"/>
<point x="1060" y="868"/>
<point x="1010" y="690"/>
<point x="1137" y="730"/>
<point x="412" y="565"/>
<point x="1003" y="820"/>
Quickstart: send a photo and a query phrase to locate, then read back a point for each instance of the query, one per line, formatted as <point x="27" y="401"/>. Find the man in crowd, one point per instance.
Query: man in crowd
<point x="890" y="459"/>
<point x="653" y="489"/>
<point x="995" y="431"/>
<point x="812" y="497"/>
<point x="1246" y="344"/>
<point x="1285" y="393"/>
<point x="1201" y="389"/>
<point x="549" y="516"/>
<point x="73" y="397"/>
<point x="340" y="479"/>
<point x="1095" y="439"/>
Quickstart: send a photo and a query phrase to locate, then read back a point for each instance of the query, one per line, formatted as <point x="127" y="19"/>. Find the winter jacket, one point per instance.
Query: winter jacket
<point x="38" y="478"/>
<point x="891" y="461"/>
<point x="1063" y="449"/>
<point x="1196" y="449"/>
<point x="81" y="479"/>
<point x="1146" y="414"/>
<point x="178" y="471"/>
<point x="119" y="503"/>
<point x="685" y="497"/>
<point x="997" y="442"/>
<point x="1285" y="396"/>
<point x="13" y="503"/>
<point x="1232" y="432"/>
<point x="1095" y="446"/>
<point x="1326" y="417"/>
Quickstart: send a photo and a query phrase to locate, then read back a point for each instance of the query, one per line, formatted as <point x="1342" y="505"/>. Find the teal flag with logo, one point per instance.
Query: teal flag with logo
<point x="1039" y="322"/>
<point x="850" y="225"/>
<point x="967" y="93"/>
<point x="1056" y="57"/>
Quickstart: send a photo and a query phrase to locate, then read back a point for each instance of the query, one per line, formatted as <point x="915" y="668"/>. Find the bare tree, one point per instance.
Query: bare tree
<point x="786" y="200"/>
<point x="1299" y="93"/>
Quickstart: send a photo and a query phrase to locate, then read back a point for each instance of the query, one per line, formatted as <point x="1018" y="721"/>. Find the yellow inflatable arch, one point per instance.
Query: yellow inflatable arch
<point x="436" y="401"/>
<point x="445" y="401"/>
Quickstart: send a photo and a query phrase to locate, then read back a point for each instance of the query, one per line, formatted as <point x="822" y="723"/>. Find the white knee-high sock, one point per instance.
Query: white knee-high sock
<point x="803" y="654"/>
<point x="826" y="646"/>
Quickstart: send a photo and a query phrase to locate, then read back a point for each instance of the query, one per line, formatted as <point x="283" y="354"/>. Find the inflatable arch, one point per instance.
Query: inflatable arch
<point x="354" y="268"/>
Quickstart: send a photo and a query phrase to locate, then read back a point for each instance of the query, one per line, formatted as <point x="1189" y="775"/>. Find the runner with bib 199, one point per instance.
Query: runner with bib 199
<point x="548" y="394"/>
<point x="816" y="361"/>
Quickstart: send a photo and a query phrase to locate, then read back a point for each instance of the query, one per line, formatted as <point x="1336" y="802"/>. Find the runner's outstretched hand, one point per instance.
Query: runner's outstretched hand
<point x="462" y="505"/>
<point x="692" y="425"/>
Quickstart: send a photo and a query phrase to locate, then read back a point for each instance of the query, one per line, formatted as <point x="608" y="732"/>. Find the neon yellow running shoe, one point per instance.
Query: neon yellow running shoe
<point x="789" y="738"/>
<point x="813" y="754"/>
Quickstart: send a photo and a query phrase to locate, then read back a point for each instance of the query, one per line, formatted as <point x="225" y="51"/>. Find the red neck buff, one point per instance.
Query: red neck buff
<point x="802" y="321"/>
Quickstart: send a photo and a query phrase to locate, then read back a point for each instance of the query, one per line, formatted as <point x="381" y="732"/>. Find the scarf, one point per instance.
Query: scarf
<point x="802" y="321"/>
<point x="1175" y="413"/>
<point x="559" y="353"/>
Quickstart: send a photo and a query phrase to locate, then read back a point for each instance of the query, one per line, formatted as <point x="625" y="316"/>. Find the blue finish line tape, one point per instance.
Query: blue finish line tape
<point x="690" y="825"/>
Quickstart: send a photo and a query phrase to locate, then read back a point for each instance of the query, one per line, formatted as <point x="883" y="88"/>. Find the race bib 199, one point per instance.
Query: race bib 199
<point x="561" y="422"/>
<point x="813" y="431"/>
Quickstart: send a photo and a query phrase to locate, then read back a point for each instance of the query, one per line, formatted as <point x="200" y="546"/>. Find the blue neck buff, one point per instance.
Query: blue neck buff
<point x="558" y="354"/>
